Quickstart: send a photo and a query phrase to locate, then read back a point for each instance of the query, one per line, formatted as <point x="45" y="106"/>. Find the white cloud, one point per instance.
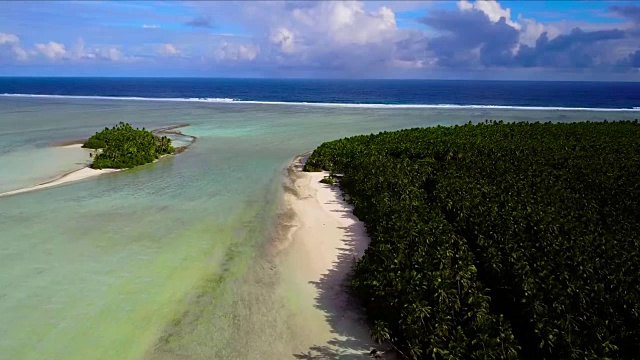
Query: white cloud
<point x="51" y="50"/>
<point x="169" y="49"/>
<point x="236" y="52"/>
<point x="106" y="52"/>
<point x="492" y="9"/>
<point x="530" y="29"/>
<point x="284" y="39"/>
<point x="10" y="45"/>
<point x="20" y="53"/>
<point x="9" y="39"/>
<point x="344" y="22"/>
<point x="79" y="51"/>
<point x="465" y="5"/>
<point x="111" y="53"/>
<point x="318" y="34"/>
<point x="145" y="26"/>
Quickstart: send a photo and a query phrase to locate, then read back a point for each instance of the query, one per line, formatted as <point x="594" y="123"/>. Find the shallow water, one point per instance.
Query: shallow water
<point x="168" y="260"/>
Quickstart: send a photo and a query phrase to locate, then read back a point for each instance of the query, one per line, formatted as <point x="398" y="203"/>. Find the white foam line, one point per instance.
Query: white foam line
<point x="344" y="105"/>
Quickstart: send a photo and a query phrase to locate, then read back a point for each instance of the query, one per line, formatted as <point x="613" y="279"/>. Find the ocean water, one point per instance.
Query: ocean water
<point x="373" y="93"/>
<point x="171" y="260"/>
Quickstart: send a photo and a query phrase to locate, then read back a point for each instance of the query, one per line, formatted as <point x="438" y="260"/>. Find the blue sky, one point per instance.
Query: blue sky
<point x="574" y="40"/>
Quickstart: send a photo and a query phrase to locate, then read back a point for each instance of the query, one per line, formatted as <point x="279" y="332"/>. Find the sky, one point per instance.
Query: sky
<point x="506" y="40"/>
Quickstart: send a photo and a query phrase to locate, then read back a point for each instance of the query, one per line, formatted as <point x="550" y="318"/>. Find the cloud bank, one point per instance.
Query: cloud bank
<point x="354" y="39"/>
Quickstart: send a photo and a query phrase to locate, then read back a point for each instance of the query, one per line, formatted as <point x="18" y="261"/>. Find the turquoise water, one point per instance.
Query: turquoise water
<point x="168" y="260"/>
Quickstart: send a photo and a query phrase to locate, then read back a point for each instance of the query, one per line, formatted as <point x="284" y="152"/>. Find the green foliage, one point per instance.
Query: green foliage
<point x="309" y="168"/>
<point x="125" y="147"/>
<point x="94" y="143"/>
<point x="328" y="180"/>
<point x="498" y="240"/>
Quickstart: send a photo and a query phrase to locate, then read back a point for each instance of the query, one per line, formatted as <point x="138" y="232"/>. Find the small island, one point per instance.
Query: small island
<point x="124" y="147"/>
<point x="114" y="149"/>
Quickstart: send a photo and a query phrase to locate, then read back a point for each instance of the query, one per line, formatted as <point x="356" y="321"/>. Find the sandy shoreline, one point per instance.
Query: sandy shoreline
<point x="324" y="242"/>
<point x="75" y="175"/>
<point x="71" y="146"/>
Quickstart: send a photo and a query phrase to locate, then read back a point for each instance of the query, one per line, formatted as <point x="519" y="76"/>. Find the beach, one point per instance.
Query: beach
<point x="324" y="241"/>
<point x="75" y="175"/>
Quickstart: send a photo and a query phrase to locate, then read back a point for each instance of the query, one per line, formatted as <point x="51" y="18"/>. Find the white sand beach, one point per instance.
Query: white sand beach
<point x="324" y="243"/>
<point x="71" y="146"/>
<point x="76" y="175"/>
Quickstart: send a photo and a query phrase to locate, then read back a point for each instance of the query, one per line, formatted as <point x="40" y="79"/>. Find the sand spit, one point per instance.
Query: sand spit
<point x="325" y="241"/>
<point x="172" y="131"/>
<point x="75" y="175"/>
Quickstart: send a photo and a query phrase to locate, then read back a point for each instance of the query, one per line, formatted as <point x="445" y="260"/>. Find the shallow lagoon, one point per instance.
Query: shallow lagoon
<point x="170" y="259"/>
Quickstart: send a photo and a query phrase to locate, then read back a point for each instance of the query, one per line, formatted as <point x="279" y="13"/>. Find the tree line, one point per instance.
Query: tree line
<point x="498" y="240"/>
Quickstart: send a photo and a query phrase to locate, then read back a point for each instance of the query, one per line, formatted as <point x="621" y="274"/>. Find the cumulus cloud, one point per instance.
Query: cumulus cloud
<point x="52" y="50"/>
<point x="79" y="51"/>
<point x="470" y="37"/>
<point x="492" y="9"/>
<point x="20" y="53"/>
<point x="353" y="38"/>
<point x="10" y="46"/>
<point x="633" y="60"/>
<point x="146" y="26"/>
<point x="329" y="35"/>
<point x="284" y="39"/>
<point x="110" y="54"/>
<point x="484" y="35"/>
<point x="8" y="39"/>
<point x="344" y="22"/>
<point x="578" y="49"/>
<point x="530" y="31"/>
<point x="236" y="52"/>
<point x="169" y="49"/>
<point x="12" y="49"/>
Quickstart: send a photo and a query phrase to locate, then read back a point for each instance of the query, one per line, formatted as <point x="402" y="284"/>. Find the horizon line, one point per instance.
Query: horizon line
<point x="299" y="78"/>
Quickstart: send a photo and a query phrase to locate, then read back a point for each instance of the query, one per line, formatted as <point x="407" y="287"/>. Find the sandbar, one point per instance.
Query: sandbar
<point x="75" y="175"/>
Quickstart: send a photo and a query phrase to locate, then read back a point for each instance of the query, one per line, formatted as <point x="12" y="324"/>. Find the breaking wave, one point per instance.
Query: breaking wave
<point x="321" y="104"/>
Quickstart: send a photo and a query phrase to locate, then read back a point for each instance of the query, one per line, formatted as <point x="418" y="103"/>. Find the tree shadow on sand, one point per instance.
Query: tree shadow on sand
<point x="347" y="319"/>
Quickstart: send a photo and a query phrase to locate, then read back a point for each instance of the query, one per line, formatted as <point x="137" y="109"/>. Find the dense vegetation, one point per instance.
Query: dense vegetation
<point x="498" y="240"/>
<point x="123" y="147"/>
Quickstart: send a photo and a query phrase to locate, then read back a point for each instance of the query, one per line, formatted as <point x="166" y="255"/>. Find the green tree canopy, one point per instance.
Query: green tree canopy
<point x="123" y="146"/>
<point x="498" y="240"/>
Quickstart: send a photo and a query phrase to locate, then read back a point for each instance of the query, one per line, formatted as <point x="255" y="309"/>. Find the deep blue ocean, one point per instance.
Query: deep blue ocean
<point x="436" y="93"/>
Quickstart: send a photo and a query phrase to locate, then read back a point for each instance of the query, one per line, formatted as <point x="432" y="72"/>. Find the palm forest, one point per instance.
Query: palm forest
<point x="123" y="146"/>
<point x="497" y="240"/>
